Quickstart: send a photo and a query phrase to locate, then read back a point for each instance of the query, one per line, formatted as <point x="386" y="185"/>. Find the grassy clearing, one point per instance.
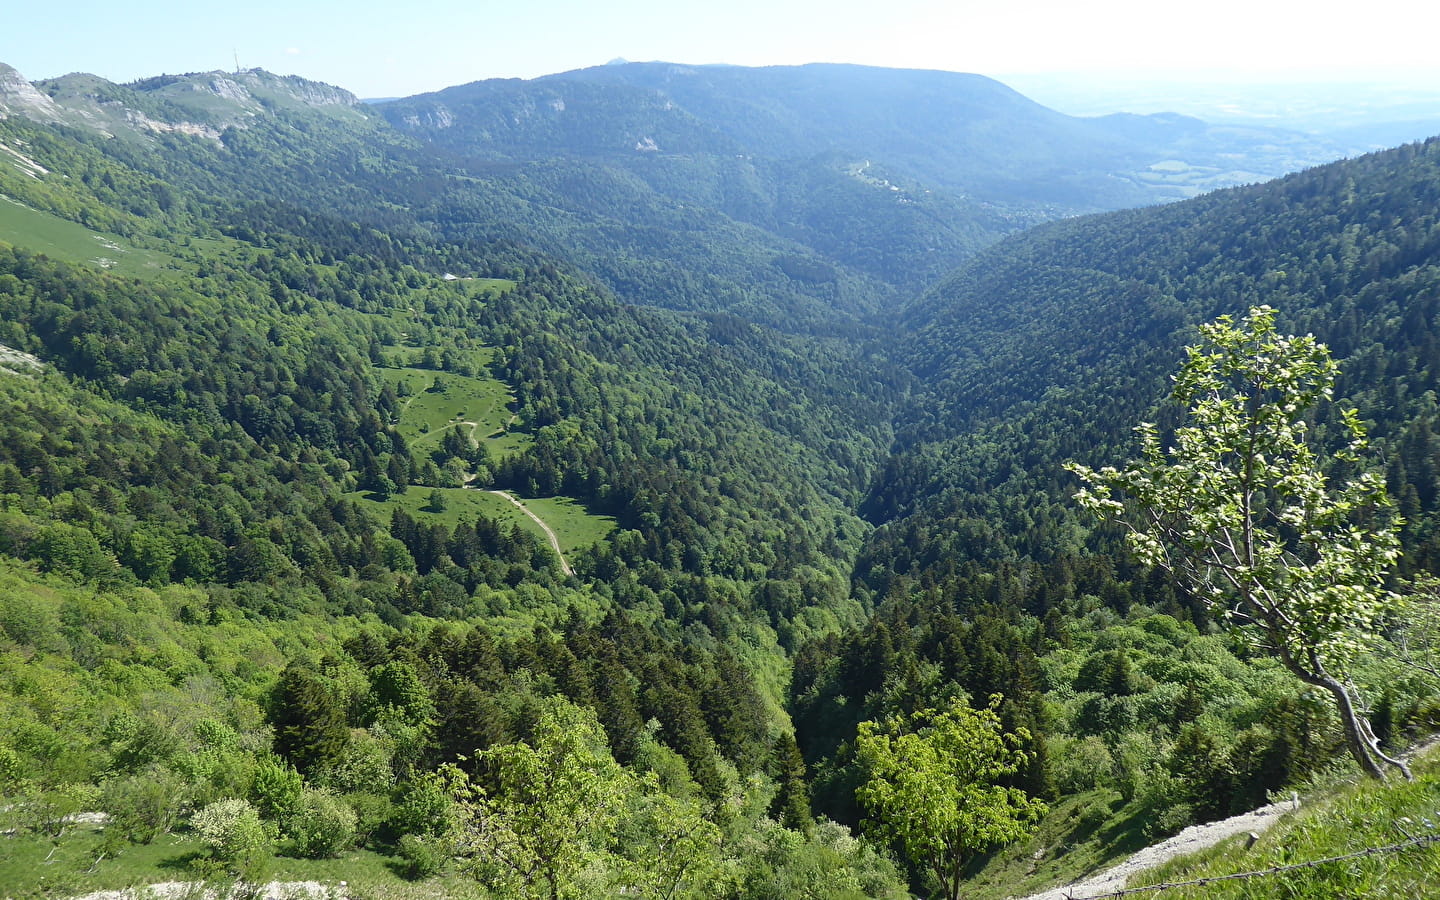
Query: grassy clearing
<point x="72" y="242"/>
<point x="482" y="405"/>
<point x="494" y="286"/>
<point x="41" y="868"/>
<point x="574" y="527"/>
<point x="460" y="503"/>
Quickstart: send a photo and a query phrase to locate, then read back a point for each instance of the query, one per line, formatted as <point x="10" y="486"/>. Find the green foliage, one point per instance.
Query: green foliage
<point x="666" y="847"/>
<point x="143" y="806"/>
<point x="1239" y="506"/>
<point x="51" y="810"/>
<point x="426" y="807"/>
<point x="935" y="787"/>
<point x="234" y="835"/>
<point x="551" y="809"/>
<point x="309" y="721"/>
<point x="557" y="817"/>
<point x="322" y="826"/>
<point x="424" y="856"/>
<point x="276" y="790"/>
<point x="827" y="862"/>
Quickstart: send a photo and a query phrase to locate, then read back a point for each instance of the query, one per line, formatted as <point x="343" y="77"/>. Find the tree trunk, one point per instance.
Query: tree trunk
<point x="1358" y="736"/>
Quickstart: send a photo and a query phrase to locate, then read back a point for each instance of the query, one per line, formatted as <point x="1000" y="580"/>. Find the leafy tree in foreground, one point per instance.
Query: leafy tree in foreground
<point x="932" y="786"/>
<point x="1240" y="509"/>
<point x="550" y="811"/>
<point x="558" y="817"/>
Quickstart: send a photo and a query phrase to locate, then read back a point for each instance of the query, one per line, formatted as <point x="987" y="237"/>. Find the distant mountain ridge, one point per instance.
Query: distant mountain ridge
<point x="197" y="103"/>
<point x="811" y="198"/>
<point x="959" y="132"/>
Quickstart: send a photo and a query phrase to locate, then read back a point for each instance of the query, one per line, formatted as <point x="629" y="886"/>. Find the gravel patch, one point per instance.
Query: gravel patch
<point x="196" y="890"/>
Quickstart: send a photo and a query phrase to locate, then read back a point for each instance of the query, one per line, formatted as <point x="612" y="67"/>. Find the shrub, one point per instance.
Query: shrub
<point x="425" y="808"/>
<point x="324" y="826"/>
<point x="276" y="789"/>
<point x="142" y="806"/>
<point x="1080" y="764"/>
<point x="424" y="856"/>
<point x="232" y="831"/>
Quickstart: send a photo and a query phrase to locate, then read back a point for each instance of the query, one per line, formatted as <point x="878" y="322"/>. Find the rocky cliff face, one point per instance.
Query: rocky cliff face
<point x="19" y="97"/>
<point x="252" y="89"/>
<point x="201" y="104"/>
<point x="311" y="93"/>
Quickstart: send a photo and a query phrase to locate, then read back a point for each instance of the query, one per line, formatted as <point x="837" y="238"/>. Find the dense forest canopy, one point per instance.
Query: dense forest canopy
<point x="355" y="468"/>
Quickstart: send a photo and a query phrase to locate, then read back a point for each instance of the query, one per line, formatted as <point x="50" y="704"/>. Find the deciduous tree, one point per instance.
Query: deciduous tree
<point x="934" y="786"/>
<point x="1240" y="507"/>
<point x="550" y="809"/>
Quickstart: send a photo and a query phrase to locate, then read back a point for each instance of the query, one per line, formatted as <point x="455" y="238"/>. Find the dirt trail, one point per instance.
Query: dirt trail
<point x="1191" y="840"/>
<point x="554" y="541"/>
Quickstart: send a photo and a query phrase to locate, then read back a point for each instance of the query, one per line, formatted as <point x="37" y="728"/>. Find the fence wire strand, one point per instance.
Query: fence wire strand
<point x="1239" y="876"/>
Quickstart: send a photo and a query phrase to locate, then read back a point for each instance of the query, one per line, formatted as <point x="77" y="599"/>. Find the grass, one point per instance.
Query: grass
<point x="494" y="286"/>
<point x="459" y="503"/>
<point x="1351" y="818"/>
<point x="1081" y="835"/>
<point x="40" y="868"/>
<point x="72" y="242"/>
<point x="573" y="526"/>
<point x="480" y="404"/>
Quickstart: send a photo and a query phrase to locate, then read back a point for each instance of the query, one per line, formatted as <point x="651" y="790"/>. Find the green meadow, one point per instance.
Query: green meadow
<point x="460" y="503"/>
<point x="34" y="867"/>
<point x="437" y="401"/>
<point x="573" y="526"/>
<point x="72" y="242"/>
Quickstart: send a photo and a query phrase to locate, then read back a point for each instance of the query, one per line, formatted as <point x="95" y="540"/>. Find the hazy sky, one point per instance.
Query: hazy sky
<point x="393" y="49"/>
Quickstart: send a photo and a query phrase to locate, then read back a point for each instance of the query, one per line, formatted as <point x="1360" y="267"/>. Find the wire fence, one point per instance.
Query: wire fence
<point x="1239" y="876"/>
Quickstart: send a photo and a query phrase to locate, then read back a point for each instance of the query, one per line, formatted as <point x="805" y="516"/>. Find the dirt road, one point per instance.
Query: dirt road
<point x="554" y="541"/>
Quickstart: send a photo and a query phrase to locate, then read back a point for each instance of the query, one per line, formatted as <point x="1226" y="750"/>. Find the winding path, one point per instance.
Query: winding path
<point x="1191" y="840"/>
<point x="554" y="541"/>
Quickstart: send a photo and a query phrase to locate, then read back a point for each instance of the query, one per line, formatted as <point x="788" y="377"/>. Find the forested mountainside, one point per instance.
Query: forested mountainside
<point x="894" y="175"/>
<point x="965" y="134"/>
<point x="1063" y="334"/>
<point x="275" y="376"/>
<point x="1050" y="347"/>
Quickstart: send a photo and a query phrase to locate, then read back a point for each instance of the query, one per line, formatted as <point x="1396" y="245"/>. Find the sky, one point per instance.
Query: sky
<point x="387" y="49"/>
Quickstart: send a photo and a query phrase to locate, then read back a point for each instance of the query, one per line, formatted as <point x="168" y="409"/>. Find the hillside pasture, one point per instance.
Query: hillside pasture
<point x="480" y="404"/>
<point x="574" y="527"/>
<point x="58" y="238"/>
